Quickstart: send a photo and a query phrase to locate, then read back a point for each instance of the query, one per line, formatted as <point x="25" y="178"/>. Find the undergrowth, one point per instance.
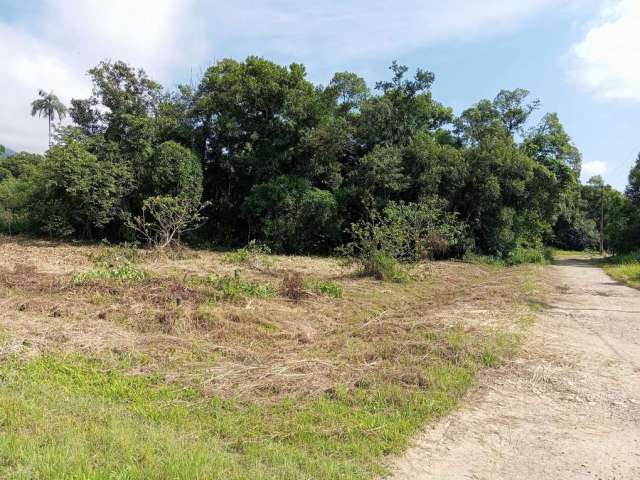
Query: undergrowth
<point x="519" y="256"/>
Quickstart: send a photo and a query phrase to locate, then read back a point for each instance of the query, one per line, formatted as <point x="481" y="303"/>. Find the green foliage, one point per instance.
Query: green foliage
<point x="233" y="288"/>
<point x="289" y="163"/>
<point x="165" y="219"/>
<point x="175" y="171"/>
<point x="74" y="193"/>
<point x="402" y="233"/>
<point x="325" y="287"/>
<point x="292" y="215"/>
<point x="124" y="273"/>
<point x="382" y="266"/>
<point x="625" y="268"/>
<point x="522" y="255"/>
<point x="253" y="254"/>
<point x="518" y="256"/>
<point x="625" y="258"/>
<point x="113" y="256"/>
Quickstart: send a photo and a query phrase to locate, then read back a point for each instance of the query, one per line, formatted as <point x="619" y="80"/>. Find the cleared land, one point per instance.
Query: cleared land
<point x="117" y="363"/>
<point x="568" y="407"/>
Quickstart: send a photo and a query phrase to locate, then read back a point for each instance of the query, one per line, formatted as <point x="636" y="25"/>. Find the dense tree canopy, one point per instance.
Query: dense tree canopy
<point x="293" y="164"/>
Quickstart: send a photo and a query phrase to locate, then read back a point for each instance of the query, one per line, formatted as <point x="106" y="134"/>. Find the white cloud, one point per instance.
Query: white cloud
<point x="607" y="60"/>
<point x="589" y="169"/>
<point x="28" y="65"/>
<point x="55" y="46"/>
<point x="67" y="38"/>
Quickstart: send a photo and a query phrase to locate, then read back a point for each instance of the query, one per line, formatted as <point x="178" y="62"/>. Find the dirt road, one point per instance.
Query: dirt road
<point x="569" y="408"/>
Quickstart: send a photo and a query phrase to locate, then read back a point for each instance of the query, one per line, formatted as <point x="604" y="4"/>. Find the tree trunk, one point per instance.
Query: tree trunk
<point x="49" y="130"/>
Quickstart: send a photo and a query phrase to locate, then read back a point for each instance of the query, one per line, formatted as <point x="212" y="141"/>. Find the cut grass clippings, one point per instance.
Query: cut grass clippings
<point x="71" y="417"/>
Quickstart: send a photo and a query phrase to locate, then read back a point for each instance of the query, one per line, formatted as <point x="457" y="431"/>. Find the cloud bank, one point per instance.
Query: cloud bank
<point x="607" y="60"/>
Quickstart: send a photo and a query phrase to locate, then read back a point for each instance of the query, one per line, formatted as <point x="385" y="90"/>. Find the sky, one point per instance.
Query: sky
<point x="580" y="58"/>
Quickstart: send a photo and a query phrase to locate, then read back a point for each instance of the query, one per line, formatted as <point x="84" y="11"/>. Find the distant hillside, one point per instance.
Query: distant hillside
<point x="8" y="152"/>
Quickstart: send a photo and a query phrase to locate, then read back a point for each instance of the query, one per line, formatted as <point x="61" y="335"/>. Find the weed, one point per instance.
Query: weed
<point x="122" y="273"/>
<point x="234" y="288"/>
<point x="324" y="287"/>
<point x="108" y="257"/>
<point x="253" y="255"/>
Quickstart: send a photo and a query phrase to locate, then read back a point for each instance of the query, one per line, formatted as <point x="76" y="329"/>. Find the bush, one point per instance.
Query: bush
<point x="403" y="232"/>
<point x="517" y="256"/>
<point x="253" y="255"/>
<point x="292" y="216"/>
<point x="384" y="267"/>
<point x="165" y="219"/>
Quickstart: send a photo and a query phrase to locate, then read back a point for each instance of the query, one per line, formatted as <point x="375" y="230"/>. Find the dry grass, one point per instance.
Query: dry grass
<point x="254" y="348"/>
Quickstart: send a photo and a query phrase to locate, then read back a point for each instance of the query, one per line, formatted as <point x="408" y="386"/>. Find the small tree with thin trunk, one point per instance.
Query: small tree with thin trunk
<point x="48" y="105"/>
<point x="165" y="219"/>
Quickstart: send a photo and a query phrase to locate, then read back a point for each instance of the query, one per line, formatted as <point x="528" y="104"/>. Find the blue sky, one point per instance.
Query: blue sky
<point x="581" y="58"/>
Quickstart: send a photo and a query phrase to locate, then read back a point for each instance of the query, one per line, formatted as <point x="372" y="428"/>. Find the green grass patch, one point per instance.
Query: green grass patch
<point x="234" y="287"/>
<point x="113" y="256"/>
<point x="624" y="268"/>
<point x="125" y="273"/>
<point x="325" y="287"/>
<point x="518" y="256"/>
<point x="253" y="252"/>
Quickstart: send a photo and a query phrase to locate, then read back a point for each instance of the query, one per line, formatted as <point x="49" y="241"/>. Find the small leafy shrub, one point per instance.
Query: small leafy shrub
<point x="123" y="273"/>
<point x="384" y="267"/>
<point x="165" y="219"/>
<point x="402" y="233"/>
<point x="325" y="287"/>
<point x="253" y="255"/>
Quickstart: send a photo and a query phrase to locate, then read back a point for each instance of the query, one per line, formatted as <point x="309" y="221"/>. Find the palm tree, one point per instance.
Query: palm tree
<point x="48" y="105"/>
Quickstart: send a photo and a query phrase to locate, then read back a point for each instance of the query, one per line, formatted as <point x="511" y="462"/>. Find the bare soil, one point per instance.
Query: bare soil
<point x="567" y="408"/>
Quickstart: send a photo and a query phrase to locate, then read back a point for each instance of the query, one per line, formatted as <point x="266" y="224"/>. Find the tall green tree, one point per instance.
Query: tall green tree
<point x="48" y="105"/>
<point x="633" y="187"/>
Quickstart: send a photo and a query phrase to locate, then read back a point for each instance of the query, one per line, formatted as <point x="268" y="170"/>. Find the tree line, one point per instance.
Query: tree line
<point x="257" y="151"/>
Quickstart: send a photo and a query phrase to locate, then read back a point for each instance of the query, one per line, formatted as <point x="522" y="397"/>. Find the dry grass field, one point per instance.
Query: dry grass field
<point x="124" y="363"/>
